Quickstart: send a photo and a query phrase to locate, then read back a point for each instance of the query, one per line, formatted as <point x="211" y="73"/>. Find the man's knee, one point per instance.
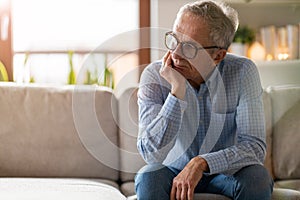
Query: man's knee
<point x="253" y="182"/>
<point x="153" y="181"/>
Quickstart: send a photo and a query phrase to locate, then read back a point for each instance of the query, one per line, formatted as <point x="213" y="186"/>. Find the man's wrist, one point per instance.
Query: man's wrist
<point x="178" y="91"/>
<point x="203" y="164"/>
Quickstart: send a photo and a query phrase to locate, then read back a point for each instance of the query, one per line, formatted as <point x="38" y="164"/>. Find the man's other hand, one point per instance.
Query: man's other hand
<point x="185" y="182"/>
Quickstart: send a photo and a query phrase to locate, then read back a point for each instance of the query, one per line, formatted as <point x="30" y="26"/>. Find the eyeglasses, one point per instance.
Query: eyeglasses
<point x="188" y="49"/>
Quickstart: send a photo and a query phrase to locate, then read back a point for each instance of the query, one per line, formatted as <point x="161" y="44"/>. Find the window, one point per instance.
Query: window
<point x="44" y="31"/>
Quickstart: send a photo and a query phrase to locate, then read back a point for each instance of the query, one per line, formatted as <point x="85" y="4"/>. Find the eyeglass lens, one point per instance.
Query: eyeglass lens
<point x="187" y="49"/>
<point x="171" y="42"/>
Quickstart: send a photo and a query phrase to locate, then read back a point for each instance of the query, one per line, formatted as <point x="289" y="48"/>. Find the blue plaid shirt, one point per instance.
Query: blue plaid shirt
<point x="223" y="121"/>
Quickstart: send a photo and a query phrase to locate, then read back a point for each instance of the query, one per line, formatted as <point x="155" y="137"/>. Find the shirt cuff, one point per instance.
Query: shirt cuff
<point x="173" y="108"/>
<point x="216" y="162"/>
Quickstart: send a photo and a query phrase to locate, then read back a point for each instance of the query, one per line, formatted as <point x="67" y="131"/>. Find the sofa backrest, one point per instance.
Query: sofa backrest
<point x="48" y="131"/>
<point x="278" y="73"/>
<point x="285" y="102"/>
<point x="131" y="161"/>
<point x="44" y="132"/>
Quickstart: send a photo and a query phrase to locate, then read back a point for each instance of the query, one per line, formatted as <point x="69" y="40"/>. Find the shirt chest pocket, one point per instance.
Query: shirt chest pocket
<point x="225" y="120"/>
<point x="226" y="131"/>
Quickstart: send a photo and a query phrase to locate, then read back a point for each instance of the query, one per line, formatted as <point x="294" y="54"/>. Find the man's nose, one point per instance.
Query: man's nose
<point x="177" y="52"/>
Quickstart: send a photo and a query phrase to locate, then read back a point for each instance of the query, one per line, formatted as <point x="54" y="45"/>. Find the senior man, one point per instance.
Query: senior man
<point x="201" y="121"/>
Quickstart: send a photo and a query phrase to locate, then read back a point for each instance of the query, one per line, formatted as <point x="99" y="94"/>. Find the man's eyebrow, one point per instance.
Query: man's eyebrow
<point x="191" y="41"/>
<point x="187" y="41"/>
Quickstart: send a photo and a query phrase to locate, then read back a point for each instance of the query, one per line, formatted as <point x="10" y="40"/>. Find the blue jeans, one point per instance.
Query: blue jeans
<point x="252" y="182"/>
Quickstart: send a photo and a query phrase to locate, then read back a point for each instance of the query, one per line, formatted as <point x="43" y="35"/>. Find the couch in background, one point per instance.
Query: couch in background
<point x="77" y="142"/>
<point x="278" y="73"/>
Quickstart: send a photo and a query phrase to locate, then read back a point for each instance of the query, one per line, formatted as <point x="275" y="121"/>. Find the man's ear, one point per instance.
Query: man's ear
<point x="219" y="55"/>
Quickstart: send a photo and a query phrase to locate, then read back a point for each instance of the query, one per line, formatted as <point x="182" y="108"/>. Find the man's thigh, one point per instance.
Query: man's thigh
<point x="252" y="182"/>
<point x="154" y="182"/>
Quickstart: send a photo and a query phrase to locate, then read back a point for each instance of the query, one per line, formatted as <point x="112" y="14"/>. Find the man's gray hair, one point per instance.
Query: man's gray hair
<point x="220" y="18"/>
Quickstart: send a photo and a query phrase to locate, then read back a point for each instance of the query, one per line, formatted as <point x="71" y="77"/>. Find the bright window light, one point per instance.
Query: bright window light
<point x="48" y="29"/>
<point x="58" y="25"/>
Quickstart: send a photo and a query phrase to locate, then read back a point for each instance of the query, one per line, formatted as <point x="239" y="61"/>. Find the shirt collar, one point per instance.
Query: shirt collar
<point x="212" y="76"/>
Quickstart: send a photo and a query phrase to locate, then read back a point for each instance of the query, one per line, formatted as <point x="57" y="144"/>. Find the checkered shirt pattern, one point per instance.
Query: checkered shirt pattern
<point x="223" y="121"/>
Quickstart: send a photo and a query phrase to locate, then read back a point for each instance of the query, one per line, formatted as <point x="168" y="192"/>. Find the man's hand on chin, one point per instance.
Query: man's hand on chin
<point x="176" y="80"/>
<point x="185" y="182"/>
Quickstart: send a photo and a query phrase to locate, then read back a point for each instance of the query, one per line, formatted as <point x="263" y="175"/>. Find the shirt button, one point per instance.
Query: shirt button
<point x="201" y="122"/>
<point x="200" y="97"/>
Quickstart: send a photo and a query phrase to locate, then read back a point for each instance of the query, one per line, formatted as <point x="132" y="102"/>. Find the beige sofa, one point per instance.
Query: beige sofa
<point x="79" y="142"/>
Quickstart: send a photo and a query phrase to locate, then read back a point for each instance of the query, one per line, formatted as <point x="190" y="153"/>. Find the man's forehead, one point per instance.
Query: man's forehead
<point x="189" y="26"/>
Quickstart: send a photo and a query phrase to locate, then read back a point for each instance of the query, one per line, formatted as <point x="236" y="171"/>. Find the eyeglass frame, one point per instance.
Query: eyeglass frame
<point x="189" y="43"/>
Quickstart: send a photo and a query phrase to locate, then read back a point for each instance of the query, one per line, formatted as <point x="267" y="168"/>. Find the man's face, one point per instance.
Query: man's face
<point x="192" y="29"/>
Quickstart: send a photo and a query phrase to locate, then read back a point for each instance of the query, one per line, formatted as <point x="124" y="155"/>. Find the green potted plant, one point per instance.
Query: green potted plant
<point x="3" y="72"/>
<point x="243" y="38"/>
<point x="72" y="75"/>
<point x="27" y="75"/>
<point x="244" y="35"/>
<point x="107" y="75"/>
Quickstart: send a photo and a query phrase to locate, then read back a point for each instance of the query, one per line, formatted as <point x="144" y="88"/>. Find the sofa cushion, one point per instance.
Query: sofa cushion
<point x="58" y="189"/>
<point x="128" y="188"/>
<point x="285" y="194"/>
<point x="39" y="137"/>
<point x="286" y="129"/>
<point x="289" y="184"/>
<point x="131" y="161"/>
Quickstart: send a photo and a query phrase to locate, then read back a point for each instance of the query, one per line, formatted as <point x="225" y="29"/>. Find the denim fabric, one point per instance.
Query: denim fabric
<point x="154" y="182"/>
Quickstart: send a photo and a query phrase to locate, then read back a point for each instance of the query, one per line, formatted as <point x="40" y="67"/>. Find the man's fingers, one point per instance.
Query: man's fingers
<point x="167" y="62"/>
<point x="167" y="59"/>
<point x="178" y="192"/>
<point x="190" y="194"/>
<point x="173" y="193"/>
<point x="166" y="56"/>
<point x="183" y="193"/>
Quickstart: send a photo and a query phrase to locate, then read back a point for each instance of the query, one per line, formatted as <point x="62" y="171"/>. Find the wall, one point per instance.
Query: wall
<point x="257" y="15"/>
